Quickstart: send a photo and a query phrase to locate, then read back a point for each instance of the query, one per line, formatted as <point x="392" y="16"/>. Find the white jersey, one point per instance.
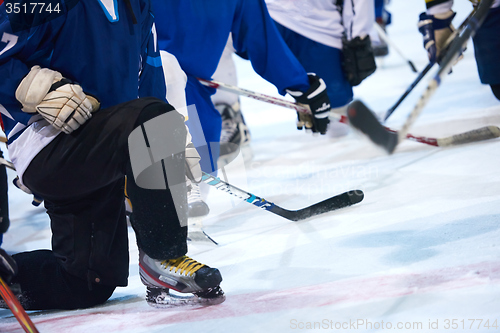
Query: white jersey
<point x="447" y="6"/>
<point x="320" y="21"/>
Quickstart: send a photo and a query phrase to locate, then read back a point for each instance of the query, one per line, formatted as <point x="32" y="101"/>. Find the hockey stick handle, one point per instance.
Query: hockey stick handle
<point x="16" y="308"/>
<point x="254" y="95"/>
<point x="381" y="32"/>
<point x="261" y="97"/>
<point x="426" y="69"/>
<point x="474" y="21"/>
<point x="409" y="90"/>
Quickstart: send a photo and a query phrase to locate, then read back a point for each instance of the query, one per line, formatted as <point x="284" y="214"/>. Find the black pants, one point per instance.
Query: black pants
<point x="81" y="178"/>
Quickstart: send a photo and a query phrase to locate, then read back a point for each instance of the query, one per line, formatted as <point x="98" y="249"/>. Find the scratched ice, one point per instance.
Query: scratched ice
<point x="420" y="253"/>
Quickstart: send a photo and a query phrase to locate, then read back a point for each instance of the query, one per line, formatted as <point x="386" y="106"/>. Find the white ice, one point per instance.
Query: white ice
<point x="419" y="253"/>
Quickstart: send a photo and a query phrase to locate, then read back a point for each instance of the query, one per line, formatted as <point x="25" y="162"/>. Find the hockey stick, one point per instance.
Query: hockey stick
<point x="336" y="202"/>
<point x="467" y="137"/>
<point x="427" y="68"/>
<point x="409" y="90"/>
<point x="258" y="96"/>
<point x="16" y="308"/>
<point x="383" y="35"/>
<point x="8" y="164"/>
<point x="362" y="118"/>
<point x="480" y="134"/>
<point x="333" y="203"/>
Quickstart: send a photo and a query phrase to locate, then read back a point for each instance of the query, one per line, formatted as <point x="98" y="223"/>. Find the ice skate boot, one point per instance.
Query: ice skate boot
<point x="184" y="275"/>
<point x="234" y="134"/>
<point x="196" y="206"/>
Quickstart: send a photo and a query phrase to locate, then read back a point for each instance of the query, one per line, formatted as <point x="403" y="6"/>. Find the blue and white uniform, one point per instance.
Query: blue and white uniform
<point x="196" y="32"/>
<point x="486" y="41"/>
<point x="76" y="43"/>
<point x="313" y="30"/>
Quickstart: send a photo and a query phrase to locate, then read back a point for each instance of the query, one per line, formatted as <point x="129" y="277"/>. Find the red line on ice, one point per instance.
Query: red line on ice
<point x="353" y="290"/>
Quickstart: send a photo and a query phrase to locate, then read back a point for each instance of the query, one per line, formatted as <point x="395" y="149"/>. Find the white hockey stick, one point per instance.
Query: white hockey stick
<point x="260" y="97"/>
<point x="484" y="133"/>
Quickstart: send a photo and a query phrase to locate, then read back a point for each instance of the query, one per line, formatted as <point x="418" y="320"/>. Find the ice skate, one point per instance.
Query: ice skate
<point x="196" y="206"/>
<point x="235" y="132"/>
<point x="183" y="275"/>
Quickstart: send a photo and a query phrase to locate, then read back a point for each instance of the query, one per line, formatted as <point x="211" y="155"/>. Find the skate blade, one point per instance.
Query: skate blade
<point x="167" y="300"/>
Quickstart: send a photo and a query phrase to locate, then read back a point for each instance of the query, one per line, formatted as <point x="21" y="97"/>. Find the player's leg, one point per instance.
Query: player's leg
<point x="326" y="63"/>
<point x="487" y="51"/>
<point x="89" y="228"/>
<point x="205" y="124"/>
<point x="235" y="132"/>
<point x="382" y="18"/>
<point x="167" y="267"/>
<point x="81" y="178"/>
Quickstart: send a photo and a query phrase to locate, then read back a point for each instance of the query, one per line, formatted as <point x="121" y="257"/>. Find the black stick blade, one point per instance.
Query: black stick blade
<point x="361" y="118"/>
<point x="339" y="201"/>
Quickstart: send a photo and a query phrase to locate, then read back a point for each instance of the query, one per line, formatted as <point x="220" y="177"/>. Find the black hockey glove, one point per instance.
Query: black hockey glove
<point x="8" y="267"/>
<point x="316" y="99"/>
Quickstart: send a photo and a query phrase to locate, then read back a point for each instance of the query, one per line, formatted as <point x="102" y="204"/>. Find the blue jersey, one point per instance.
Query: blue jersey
<point x="196" y="32"/>
<point x="97" y="44"/>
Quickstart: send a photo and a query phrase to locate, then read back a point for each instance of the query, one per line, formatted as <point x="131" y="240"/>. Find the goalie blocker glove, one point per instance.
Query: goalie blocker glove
<point x="316" y="98"/>
<point x="60" y="101"/>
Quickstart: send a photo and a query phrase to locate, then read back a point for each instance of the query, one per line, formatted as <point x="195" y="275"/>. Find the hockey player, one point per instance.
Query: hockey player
<point x="196" y="32"/>
<point x="435" y="25"/>
<point x="383" y="19"/>
<point x="71" y="78"/>
<point x="313" y="30"/>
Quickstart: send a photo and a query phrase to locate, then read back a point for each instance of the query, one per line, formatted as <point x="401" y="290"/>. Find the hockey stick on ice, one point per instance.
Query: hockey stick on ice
<point x="480" y="134"/>
<point x="426" y="69"/>
<point x="336" y="202"/>
<point x="484" y="133"/>
<point x="16" y="308"/>
<point x="362" y="117"/>
<point x="386" y="39"/>
<point x="333" y="203"/>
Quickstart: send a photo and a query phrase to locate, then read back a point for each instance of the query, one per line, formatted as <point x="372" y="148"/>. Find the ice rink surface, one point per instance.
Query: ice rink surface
<point x="419" y="254"/>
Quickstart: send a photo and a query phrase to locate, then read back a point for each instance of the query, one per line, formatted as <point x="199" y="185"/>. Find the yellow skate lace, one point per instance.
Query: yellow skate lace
<point x="186" y="265"/>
